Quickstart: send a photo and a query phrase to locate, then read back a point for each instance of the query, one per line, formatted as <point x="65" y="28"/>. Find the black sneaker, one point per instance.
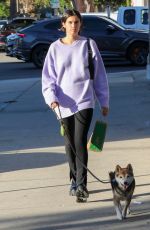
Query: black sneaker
<point x="73" y="189"/>
<point x="82" y="194"/>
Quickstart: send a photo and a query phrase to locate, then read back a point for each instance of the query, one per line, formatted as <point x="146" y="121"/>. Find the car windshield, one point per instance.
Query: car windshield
<point x="3" y="22"/>
<point x="37" y="23"/>
<point x="114" y="23"/>
<point x="26" y="27"/>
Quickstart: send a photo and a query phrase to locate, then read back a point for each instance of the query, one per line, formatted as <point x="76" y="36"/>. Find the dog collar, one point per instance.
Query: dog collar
<point x="118" y="190"/>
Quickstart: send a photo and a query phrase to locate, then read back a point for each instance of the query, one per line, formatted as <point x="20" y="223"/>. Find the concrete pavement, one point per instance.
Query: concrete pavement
<point x="34" y="171"/>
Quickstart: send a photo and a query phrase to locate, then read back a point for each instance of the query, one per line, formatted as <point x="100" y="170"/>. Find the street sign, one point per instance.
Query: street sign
<point x="54" y="4"/>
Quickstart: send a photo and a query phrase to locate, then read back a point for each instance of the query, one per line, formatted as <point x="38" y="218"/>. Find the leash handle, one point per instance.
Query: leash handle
<point x="57" y="112"/>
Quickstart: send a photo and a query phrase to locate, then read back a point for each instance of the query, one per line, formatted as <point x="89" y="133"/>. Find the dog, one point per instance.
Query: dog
<point x="123" y="185"/>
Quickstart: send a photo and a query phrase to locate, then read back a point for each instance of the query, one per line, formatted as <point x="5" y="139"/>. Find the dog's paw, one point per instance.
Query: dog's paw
<point x="125" y="212"/>
<point x="119" y="217"/>
<point x="128" y="211"/>
<point x="123" y="217"/>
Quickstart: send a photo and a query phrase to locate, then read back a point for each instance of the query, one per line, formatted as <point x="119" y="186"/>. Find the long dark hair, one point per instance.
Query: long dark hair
<point x="68" y="13"/>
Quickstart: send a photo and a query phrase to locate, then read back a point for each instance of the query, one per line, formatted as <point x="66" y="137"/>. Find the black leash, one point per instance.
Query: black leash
<point x="59" y="117"/>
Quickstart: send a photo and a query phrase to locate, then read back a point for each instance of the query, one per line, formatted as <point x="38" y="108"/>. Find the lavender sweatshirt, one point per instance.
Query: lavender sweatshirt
<point x="66" y="77"/>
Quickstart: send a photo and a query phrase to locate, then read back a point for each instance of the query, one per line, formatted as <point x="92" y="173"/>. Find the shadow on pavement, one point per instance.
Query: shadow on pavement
<point x="21" y="161"/>
<point x="94" y="218"/>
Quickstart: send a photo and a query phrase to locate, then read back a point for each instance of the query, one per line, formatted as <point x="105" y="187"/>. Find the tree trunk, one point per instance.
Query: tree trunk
<point x="84" y="5"/>
<point x="128" y="2"/>
<point x="13" y="8"/>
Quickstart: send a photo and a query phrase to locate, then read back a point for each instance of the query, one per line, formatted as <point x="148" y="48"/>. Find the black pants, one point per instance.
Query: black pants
<point x="77" y="127"/>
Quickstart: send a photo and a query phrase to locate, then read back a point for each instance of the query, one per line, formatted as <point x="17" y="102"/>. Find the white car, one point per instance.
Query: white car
<point x="2" y="23"/>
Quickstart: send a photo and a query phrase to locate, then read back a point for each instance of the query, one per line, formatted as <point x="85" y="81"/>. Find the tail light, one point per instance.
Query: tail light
<point x="21" y="35"/>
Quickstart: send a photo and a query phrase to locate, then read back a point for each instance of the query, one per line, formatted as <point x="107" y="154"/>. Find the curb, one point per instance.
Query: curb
<point x="127" y="77"/>
<point x="120" y="77"/>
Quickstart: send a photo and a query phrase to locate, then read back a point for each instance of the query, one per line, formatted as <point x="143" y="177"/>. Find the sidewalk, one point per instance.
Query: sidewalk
<point x="34" y="171"/>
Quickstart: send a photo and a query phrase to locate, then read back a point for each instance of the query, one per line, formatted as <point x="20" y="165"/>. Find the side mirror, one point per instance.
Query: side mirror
<point x="111" y="28"/>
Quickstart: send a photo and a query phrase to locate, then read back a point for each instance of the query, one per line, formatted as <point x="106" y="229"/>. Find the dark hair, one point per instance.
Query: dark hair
<point x="68" y="13"/>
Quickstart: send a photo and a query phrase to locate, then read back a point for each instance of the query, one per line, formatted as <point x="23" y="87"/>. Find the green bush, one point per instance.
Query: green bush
<point x="4" y="10"/>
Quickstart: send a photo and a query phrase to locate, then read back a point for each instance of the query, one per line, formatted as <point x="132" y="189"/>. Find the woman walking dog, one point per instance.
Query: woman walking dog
<point x="66" y="83"/>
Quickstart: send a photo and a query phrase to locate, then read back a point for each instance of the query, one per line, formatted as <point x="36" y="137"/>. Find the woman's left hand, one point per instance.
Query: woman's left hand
<point x="105" y="111"/>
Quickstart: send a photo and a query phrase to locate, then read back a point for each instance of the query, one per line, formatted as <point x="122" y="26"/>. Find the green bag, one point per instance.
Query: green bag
<point x="97" y="139"/>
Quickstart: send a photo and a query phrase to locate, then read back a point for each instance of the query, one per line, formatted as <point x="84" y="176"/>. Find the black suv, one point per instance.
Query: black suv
<point x="114" y="41"/>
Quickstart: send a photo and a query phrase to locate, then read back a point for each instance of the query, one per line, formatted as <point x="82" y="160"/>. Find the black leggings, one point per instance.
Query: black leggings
<point x="77" y="127"/>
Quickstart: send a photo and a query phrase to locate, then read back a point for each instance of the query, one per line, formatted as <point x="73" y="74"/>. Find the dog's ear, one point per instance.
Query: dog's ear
<point x="117" y="168"/>
<point x="129" y="167"/>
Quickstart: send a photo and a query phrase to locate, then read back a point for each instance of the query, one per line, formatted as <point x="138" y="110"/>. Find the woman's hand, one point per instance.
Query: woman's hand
<point x="105" y="111"/>
<point x="54" y="104"/>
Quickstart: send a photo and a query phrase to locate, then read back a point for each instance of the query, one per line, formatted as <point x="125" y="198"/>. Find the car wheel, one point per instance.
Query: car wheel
<point x="138" y="54"/>
<point x="39" y="54"/>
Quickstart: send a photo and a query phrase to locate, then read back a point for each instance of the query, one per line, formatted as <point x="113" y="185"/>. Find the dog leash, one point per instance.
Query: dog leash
<point x="59" y="117"/>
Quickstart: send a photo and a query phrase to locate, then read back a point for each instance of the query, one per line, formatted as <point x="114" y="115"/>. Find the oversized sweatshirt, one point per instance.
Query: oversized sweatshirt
<point x="66" y="77"/>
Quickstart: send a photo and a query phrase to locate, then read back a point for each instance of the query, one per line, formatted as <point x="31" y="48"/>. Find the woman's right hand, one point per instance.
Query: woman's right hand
<point x="105" y="111"/>
<point x="54" y="105"/>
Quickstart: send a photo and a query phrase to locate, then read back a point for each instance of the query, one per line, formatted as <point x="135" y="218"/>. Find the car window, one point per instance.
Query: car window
<point x="22" y="21"/>
<point x="144" y="16"/>
<point x="53" y="25"/>
<point x="3" y="22"/>
<point x="114" y="23"/>
<point x="8" y="27"/>
<point x="129" y="17"/>
<point x="92" y="24"/>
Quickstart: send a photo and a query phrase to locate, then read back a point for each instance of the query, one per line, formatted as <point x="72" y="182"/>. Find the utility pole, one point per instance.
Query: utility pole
<point x="148" y="59"/>
<point x="13" y="8"/>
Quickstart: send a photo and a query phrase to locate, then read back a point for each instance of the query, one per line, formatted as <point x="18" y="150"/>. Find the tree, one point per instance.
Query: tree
<point x="128" y="2"/>
<point x="83" y="5"/>
<point x="101" y="4"/>
<point x="4" y="9"/>
<point x="43" y="6"/>
<point x="98" y="5"/>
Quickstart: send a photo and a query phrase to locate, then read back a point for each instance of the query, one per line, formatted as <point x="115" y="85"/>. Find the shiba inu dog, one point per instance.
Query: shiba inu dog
<point x="123" y="185"/>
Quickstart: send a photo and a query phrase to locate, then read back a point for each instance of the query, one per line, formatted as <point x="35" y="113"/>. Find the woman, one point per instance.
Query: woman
<point x="66" y="83"/>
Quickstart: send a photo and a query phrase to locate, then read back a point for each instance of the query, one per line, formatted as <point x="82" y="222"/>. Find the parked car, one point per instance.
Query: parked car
<point x="2" y="43"/>
<point x="16" y="23"/>
<point x="2" y="23"/>
<point x="9" y="46"/>
<point x="11" y="28"/>
<point x="133" y="17"/>
<point x="114" y="41"/>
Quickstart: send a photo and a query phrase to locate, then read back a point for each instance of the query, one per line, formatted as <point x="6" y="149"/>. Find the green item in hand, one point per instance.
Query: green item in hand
<point x="98" y="136"/>
<point x="62" y="131"/>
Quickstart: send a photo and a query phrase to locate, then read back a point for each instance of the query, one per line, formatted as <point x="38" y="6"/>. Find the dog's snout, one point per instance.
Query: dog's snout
<point x="125" y="183"/>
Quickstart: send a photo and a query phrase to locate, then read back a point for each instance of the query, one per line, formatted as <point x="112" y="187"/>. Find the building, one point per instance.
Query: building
<point x="139" y="2"/>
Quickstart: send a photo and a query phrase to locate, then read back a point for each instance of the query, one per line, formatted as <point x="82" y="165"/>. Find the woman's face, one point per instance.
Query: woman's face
<point x="72" y="25"/>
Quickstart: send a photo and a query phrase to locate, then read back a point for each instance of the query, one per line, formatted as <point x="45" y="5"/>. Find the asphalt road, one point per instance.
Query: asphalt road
<point x="12" y="68"/>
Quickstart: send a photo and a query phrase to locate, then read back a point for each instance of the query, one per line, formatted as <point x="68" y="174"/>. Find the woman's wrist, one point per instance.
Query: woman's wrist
<point x="105" y="111"/>
<point x="54" y="104"/>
